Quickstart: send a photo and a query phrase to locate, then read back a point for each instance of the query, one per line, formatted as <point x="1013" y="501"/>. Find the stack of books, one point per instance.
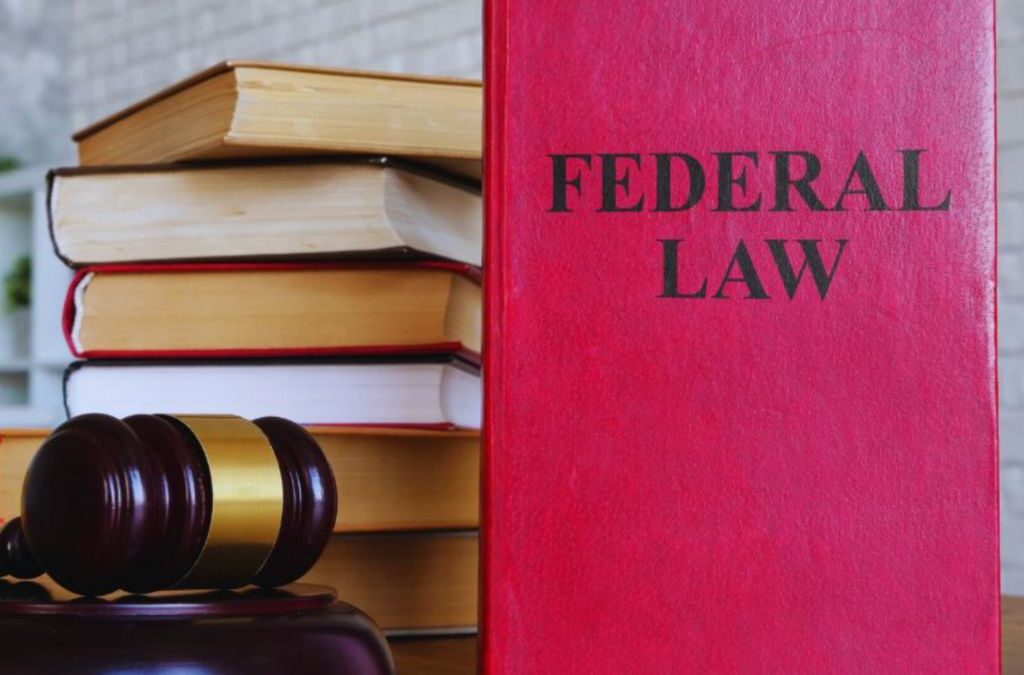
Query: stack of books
<point x="272" y="240"/>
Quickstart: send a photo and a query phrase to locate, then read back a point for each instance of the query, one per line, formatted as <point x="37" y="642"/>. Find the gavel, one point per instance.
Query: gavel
<point x="157" y="502"/>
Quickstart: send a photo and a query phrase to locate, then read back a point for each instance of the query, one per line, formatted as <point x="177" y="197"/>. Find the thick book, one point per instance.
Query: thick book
<point x="223" y="310"/>
<point x="375" y="207"/>
<point x="435" y="655"/>
<point x="1013" y="635"/>
<point x="259" y="109"/>
<point x="408" y="582"/>
<point x="390" y="479"/>
<point x="740" y="311"/>
<point x="429" y="392"/>
<point x="412" y="584"/>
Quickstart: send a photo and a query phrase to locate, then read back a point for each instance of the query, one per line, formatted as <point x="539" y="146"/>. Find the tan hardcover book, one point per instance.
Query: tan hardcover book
<point x="435" y="656"/>
<point x="16" y="449"/>
<point x="290" y="209"/>
<point x="274" y="310"/>
<point x="1013" y="635"/>
<point x="411" y="584"/>
<point x="407" y="581"/>
<point x="388" y="479"/>
<point x="400" y="479"/>
<point x="258" y="109"/>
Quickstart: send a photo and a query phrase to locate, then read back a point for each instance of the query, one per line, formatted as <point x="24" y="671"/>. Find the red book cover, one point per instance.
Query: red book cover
<point x="740" y="338"/>
<point x="74" y="299"/>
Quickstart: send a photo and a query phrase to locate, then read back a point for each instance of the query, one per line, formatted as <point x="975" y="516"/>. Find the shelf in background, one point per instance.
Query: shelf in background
<point x="21" y="181"/>
<point x="25" y="416"/>
<point x="32" y="351"/>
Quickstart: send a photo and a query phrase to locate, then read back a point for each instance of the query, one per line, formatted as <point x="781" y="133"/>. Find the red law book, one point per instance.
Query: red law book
<point x="740" y="406"/>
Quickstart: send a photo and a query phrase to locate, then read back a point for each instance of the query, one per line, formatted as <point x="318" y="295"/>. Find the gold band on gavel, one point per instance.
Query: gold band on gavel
<point x="248" y="500"/>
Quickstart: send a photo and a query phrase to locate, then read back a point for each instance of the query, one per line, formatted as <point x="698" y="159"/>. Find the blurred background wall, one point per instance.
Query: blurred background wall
<point x="1010" y="101"/>
<point x="121" y="49"/>
<point x="35" y="109"/>
<point x="64" y="63"/>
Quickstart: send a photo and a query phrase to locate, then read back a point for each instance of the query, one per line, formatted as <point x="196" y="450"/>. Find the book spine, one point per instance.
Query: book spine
<point x="69" y="311"/>
<point x="491" y="648"/>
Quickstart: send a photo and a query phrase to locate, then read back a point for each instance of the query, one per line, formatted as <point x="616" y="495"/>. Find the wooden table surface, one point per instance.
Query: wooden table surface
<point x="457" y="656"/>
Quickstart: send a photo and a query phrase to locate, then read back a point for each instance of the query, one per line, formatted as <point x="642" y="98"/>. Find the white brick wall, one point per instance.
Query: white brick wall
<point x="123" y="49"/>
<point x="34" y="111"/>
<point x="1010" y="18"/>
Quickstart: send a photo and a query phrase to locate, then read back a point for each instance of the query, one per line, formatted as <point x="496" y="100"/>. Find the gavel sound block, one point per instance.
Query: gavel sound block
<point x="154" y="502"/>
<point x="298" y="629"/>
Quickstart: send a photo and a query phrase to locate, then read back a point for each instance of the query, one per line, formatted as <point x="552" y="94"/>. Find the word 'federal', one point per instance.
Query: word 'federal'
<point x="680" y="181"/>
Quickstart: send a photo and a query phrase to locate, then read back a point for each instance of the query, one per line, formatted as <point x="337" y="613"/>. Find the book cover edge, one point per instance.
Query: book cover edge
<point x="230" y="64"/>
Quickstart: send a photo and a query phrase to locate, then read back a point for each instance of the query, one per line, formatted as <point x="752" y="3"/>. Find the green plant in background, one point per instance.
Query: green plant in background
<point x="18" y="285"/>
<point x="8" y="163"/>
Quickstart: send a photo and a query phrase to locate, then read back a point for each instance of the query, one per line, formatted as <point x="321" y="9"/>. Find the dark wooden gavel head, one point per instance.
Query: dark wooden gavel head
<point x="154" y="502"/>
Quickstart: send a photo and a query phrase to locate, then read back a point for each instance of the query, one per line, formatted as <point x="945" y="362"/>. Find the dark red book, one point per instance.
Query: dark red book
<point x="235" y="310"/>
<point x="740" y="349"/>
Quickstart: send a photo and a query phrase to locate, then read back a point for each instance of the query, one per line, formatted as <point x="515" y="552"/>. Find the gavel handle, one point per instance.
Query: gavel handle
<point x="16" y="559"/>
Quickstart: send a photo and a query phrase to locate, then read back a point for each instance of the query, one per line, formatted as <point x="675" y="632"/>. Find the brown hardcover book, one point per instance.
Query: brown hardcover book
<point x="284" y="309"/>
<point x="435" y="656"/>
<point x="257" y="109"/>
<point x="411" y="584"/>
<point x="388" y="479"/>
<point x="406" y="581"/>
<point x="274" y="210"/>
<point x="1013" y="636"/>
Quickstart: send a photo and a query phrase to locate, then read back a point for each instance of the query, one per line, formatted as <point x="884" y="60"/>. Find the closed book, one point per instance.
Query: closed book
<point x="258" y="109"/>
<point x="741" y="406"/>
<point x="327" y="208"/>
<point x="273" y="309"/>
<point x="435" y="655"/>
<point x="413" y="585"/>
<point x="427" y="392"/>
<point x="408" y="582"/>
<point x="389" y="479"/>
